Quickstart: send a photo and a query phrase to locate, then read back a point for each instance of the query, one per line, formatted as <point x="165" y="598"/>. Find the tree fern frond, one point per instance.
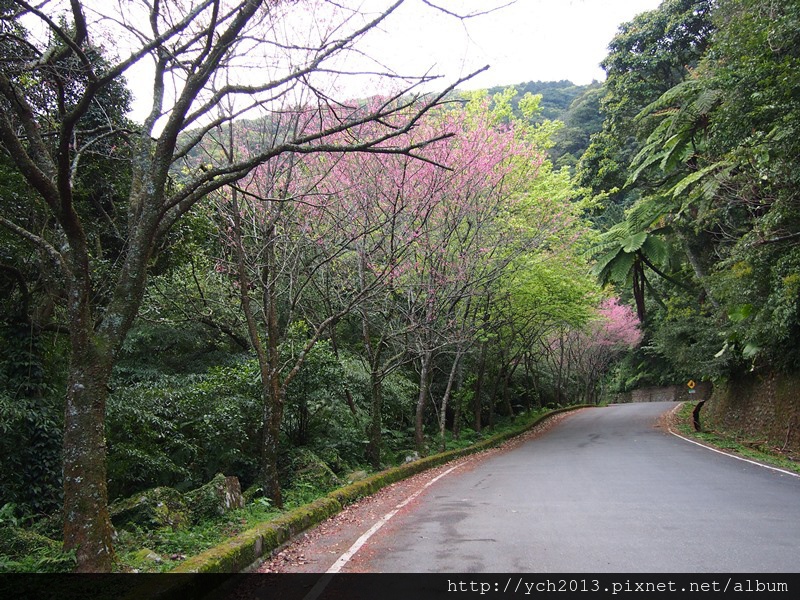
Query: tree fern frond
<point x="602" y="266"/>
<point x="634" y="242"/>
<point x="620" y="269"/>
<point x="656" y="250"/>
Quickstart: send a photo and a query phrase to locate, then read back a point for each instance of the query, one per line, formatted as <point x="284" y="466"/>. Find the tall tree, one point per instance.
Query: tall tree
<point x="648" y="56"/>
<point x="202" y="54"/>
<point x="719" y="173"/>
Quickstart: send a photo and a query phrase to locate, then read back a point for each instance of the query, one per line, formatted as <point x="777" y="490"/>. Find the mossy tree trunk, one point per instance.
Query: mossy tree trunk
<point x="84" y="466"/>
<point x="94" y="344"/>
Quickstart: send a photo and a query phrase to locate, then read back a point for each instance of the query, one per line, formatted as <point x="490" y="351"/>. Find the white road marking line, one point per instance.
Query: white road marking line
<point x="345" y="558"/>
<point x="752" y="462"/>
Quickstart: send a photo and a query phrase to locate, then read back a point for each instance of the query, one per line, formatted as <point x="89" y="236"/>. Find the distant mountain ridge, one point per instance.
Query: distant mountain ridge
<point x="577" y="106"/>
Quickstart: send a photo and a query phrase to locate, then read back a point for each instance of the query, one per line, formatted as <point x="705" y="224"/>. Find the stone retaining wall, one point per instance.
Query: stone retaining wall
<point x="762" y="408"/>
<point x="669" y="393"/>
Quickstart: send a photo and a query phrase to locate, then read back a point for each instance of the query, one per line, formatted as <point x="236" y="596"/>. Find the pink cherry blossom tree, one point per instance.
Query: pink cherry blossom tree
<point x="585" y="354"/>
<point x="315" y="236"/>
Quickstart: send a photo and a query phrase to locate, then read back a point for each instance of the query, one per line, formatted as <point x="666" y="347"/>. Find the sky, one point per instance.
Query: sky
<point x="531" y="40"/>
<point x="524" y="40"/>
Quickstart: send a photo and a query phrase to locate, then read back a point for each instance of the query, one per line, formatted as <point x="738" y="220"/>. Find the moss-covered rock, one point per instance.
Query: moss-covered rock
<point x="310" y="469"/>
<point x="151" y="509"/>
<point x="251" y="493"/>
<point x="146" y="555"/>
<point x="16" y="542"/>
<point x="216" y="498"/>
<point x="355" y="476"/>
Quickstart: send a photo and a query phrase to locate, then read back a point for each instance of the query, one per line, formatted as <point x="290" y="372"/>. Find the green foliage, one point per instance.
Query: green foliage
<point x="181" y="430"/>
<point x="761" y="291"/>
<point x="576" y="107"/>
<point x="648" y="56"/>
<point x="30" y="423"/>
<point x="25" y="551"/>
<point x="346" y="432"/>
<point x="316" y="395"/>
<point x="689" y="340"/>
<point x="581" y="121"/>
<point x="556" y="97"/>
<point x="718" y="175"/>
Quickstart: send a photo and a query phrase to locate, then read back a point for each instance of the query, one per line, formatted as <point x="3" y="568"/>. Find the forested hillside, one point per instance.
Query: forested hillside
<point x="696" y="170"/>
<point x="263" y="282"/>
<point x="574" y="108"/>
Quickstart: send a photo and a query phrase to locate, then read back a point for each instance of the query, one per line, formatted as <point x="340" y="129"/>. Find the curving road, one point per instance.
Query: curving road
<point x="604" y="491"/>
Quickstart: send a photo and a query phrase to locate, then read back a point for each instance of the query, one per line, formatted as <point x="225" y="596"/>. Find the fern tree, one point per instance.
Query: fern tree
<point x="624" y="255"/>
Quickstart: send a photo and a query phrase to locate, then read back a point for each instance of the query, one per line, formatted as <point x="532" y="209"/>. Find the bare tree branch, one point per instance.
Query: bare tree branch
<point x="471" y="15"/>
<point x="39" y="241"/>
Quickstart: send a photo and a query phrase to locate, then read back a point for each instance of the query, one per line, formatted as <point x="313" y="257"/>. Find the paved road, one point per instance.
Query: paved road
<point x="604" y="491"/>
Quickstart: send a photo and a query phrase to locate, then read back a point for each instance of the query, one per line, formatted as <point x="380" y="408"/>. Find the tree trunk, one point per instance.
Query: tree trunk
<point x="87" y="525"/>
<point x="270" y="445"/>
<point x="560" y="371"/>
<point x="639" y="282"/>
<point x="268" y="358"/>
<point x="530" y="385"/>
<point x="348" y="395"/>
<point x="497" y="384"/>
<point x="275" y="390"/>
<point x="446" y="398"/>
<point x="477" y="404"/>
<point x="376" y="375"/>
<point x="459" y="407"/>
<point x="376" y="420"/>
<point x="507" y="393"/>
<point x="422" y="400"/>
<point x="699" y="272"/>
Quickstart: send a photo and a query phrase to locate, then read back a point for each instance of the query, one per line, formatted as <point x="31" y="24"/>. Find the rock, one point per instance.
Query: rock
<point x="412" y="457"/>
<point x="219" y="496"/>
<point x="356" y="476"/>
<point x="18" y="542"/>
<point x="146" y="555"/>
<point x="252" y="493"/>
<point x="152" y="509"/>
<point x="311" y="470"/>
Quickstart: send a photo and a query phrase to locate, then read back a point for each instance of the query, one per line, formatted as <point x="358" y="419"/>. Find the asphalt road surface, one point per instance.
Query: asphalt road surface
<point x="606" y="490"/>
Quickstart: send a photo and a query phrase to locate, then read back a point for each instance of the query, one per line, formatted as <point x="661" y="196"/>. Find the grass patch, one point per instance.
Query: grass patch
<point x="757" y="450"/>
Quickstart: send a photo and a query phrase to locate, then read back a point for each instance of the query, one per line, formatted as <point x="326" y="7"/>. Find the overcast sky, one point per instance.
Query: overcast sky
<point x="529" y="40"/>
<point x="545" y="40"/>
